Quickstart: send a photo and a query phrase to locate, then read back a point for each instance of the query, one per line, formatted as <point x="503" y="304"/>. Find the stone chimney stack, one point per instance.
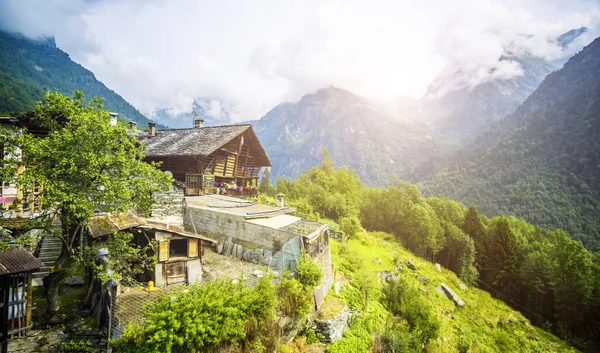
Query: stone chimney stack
<point x="198" y="123"/>
<point x="151" y="129"/>
<point x="132" y="125"/>
<point x="113" y="119"/>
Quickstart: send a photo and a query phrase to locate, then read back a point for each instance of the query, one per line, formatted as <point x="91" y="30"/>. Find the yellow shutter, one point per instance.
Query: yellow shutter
<point x="163" y="250"/>
<point x="192" y="248"/>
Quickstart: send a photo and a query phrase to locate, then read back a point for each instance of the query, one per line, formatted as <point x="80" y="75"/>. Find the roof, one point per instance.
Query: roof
<point x="190" y="142"/>
<point x="106" y="224"/>
<point x="235" y="206"/>
<point x="16" y="260"/>
<point x="276" y="222"/>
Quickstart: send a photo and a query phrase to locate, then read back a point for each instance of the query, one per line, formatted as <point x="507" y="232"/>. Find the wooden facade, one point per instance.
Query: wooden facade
<point x="16" y="266"/>
<point x="219" y="159"/>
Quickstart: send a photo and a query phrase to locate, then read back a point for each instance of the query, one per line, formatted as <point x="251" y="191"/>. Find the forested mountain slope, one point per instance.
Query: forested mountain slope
<point x="544" y="160"/>
<point x="355" y="131"/>
<point x="29" y="68"/>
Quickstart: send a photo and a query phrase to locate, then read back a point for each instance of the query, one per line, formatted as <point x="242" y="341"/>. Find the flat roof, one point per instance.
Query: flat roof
<point x="276" y="222"/>
<point x="235" y="206"/>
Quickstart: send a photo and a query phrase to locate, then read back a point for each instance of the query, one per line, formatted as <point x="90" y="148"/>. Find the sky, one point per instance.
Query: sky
<point x="242" y="58"/>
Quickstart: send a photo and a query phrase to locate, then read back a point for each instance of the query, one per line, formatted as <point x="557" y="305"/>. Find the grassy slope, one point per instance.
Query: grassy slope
<point x="481" y="320"/>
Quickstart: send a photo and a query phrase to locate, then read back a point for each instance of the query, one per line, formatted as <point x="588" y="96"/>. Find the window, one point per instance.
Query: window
<point x="178" y="247"/>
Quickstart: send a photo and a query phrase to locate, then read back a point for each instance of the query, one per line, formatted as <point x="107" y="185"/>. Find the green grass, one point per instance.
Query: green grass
<point x="484" y="324"/>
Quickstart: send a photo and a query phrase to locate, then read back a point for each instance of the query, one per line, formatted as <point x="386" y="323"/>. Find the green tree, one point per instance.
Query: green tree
<point x="84" y="166"/>
<point x="265" y="183"/>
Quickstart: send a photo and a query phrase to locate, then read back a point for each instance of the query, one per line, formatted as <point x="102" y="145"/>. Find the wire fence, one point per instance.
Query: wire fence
<point x="128" y="303"/>
<point x="285" y="259"/>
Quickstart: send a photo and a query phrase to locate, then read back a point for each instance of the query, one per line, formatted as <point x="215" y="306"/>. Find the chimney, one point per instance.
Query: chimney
<point x="280" y="198"/>
<point x="198" y="123"/>
<point x="132" y="125"/>
<point x="151" y="129"/>
<point x="113" y="119"/>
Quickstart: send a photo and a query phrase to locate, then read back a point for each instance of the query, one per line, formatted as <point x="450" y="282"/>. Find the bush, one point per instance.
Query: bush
<point x="350" y="226"/>
<point x="294" y="300"/>
<point x="308" y="272"/>
<point x="203" y="317"/>
<point x="402" y="299"/>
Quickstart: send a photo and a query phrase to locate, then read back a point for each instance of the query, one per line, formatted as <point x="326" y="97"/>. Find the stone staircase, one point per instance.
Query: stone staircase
<point x="48" y="252"/>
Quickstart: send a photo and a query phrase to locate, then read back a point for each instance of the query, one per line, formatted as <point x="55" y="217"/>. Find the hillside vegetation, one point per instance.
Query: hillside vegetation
<point x="553" y="280"/>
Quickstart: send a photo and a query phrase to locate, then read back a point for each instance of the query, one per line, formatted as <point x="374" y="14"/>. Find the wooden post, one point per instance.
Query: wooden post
<point x="29" y="300"/>
<point x="4" y="284"/>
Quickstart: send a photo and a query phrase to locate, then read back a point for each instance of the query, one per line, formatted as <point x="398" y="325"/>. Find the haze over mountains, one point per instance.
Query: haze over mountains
<point x="512" y="167"/>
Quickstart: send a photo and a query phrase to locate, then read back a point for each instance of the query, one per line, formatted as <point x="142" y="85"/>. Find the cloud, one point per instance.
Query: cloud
<point x="241" y="58"/>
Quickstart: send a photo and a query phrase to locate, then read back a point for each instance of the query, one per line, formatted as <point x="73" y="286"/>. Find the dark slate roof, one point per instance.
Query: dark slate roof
<point x="190" y="142"/>
<point x="16" y="260"/>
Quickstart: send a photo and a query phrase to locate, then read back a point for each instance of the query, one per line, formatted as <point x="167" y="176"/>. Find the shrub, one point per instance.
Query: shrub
<point x="203" y="317"/>
<point x="350" y="226"/>
<point x="294" y="300"/>
<point x="308" y="272"/>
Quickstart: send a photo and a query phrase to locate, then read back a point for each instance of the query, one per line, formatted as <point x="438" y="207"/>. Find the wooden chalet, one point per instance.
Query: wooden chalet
<point x="214" y="159"/>
<point x="16" y="266"/>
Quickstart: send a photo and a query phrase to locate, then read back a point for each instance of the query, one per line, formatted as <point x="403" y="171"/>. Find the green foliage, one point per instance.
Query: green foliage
<point x="404" y="300"/>
<point x="333" y="193"/>
<point x="364" y="288"/>
<point x="128" y="260"/>
<point x="81" y="346"/>
<point x="204" y="317"/>
<point x="359" y="338"/>
<point x="308" y="272"/>
<point x="350" y="226"/>
<point x="265" y="185"/>
<point x="295" y="299"/>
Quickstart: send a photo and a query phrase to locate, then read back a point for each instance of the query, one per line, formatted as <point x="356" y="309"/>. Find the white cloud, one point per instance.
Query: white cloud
<point x="248" y="56"/>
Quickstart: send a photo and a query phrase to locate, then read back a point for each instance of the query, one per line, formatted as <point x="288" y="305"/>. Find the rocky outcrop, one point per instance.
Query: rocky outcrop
<point x="333" y="329"/>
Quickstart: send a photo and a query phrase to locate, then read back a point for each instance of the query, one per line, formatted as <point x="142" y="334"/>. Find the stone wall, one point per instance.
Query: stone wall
<point x="221" y="226"/>
<point x="333" y="329"/>
<point x="169" y="203"/>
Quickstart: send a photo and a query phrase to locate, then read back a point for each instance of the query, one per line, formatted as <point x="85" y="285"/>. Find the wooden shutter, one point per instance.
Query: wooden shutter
<point x="192" y="248"/>
<point x="163" y="250"/>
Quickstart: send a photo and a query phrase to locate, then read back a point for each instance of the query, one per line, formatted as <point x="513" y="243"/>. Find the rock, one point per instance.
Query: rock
<point x="248" y="255"/>
<point x="260" y="251"/>
<point x="235" y="281"/>
<point x="410" y="264"/>
<point x="267" y="254"/>
<point x="205" y="269"/>
<point x="438" y="267"/>
<point x="448" y="292"/>
<point x="333" y="329"/>
<point x="424" y="280"/>
<point x="462" y="286"/>
<point x="74" y="281"/>
<point x="398" y="268"/>
<point x="227" y="248"/>
<point x="258" y="273"/>
<point x="276" y="274"/>
<point x="220" y="247"/>
<point x="337" y="286"/>
<point x="240" y="252"/>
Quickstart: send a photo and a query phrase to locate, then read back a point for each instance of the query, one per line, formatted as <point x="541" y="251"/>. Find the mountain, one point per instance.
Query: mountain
<point x="462" y="114"/>
<point x="543" y="163"/>
<point x="208" y="109"/>
<point x="29" y="68"/>
<point x="356" y="132"/>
